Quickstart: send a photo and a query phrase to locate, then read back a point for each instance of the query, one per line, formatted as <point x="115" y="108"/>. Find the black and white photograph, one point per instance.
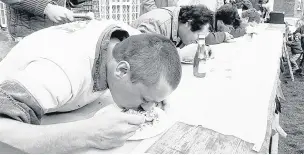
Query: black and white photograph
<point x="151" y="77"/>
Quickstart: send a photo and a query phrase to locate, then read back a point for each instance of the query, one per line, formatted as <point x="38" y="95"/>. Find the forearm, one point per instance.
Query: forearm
<point x="35" y="7"/>
<point x="215" y="38"/>
<point x="56" y="138"/>
<point x="238" y="32"/>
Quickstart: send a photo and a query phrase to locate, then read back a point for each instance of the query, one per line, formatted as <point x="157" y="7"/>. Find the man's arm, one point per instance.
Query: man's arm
<point x="241" y="31"/>
<point x="291" y="43"/>
<point x="35" y="7"/>
<point x="54" y="12"/>
<point x="56" y="138"/>
<point x="215" y="38"/>
<point x="148" y="5"/>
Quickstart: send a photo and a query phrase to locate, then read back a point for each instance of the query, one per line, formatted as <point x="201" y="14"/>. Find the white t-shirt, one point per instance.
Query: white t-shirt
<point x="55" y="64"/>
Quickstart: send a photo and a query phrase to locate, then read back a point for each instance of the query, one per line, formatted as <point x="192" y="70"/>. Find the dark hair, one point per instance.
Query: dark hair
<point x="150" y="56"/>
<point x="247" y="5"/>
<point x="252" y="14"/>
<point x="229" y="15"/>
<point x="263" y="2"/>
<point x="198" y="15"/>
<point x="244" y="4"/>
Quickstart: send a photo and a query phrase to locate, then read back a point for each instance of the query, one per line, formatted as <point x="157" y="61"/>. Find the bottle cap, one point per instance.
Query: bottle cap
<point x="201" y="39"/>
<point x="201" y="36"/>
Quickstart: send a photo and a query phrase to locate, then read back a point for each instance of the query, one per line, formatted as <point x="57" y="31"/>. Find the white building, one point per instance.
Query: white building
<point x="123" y="10"/>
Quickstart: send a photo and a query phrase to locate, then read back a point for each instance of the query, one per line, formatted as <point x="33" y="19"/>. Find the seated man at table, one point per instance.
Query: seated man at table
<point x="228" y="20"/>
<point x="252" y="15"/>
<point x="66" y="67"/>
<point x="182" y="25"/>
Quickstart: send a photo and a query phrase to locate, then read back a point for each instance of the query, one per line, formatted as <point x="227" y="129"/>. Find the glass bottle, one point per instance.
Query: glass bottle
<point x="200" y="59"/>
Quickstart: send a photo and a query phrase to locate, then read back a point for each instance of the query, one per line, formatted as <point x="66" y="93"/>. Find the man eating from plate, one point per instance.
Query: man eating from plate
<point x="182" y="25"/>
<point x="63" y="68"/>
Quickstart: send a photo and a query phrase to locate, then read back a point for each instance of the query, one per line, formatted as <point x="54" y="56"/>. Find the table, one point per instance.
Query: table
<point x="253" y="101"/>
<point x="204" y="140"/>
<point x="7" y="149"/>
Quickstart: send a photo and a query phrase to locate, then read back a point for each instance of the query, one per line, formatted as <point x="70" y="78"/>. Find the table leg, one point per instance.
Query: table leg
<point x="278" y="131"/>
<point x="274" y="144"/>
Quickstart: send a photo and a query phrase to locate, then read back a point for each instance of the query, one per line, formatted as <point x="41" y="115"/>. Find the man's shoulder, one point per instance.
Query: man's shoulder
<point x="160" y="14"/>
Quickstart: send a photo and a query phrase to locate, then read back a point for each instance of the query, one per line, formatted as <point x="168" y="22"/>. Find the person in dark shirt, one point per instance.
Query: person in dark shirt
<point x="296" y="50"/>
<point x="301" y="31"/>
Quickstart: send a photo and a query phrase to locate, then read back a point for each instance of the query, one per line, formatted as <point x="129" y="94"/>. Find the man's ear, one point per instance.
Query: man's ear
<point x="122" y="69"/>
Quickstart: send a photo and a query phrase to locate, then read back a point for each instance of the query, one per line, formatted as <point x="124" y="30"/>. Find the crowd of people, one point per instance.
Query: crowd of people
<point x="138" y="63"/>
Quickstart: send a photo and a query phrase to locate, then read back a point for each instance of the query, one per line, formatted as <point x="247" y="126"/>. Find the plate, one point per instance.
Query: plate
<point x="162" y="125"/>
<point x="158" y="127"/>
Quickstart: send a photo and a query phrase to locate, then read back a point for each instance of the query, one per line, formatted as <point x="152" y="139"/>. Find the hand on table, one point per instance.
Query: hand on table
<point x="110" y="128"/>
<point x="228" y="36"/>
<point x="187" y="53"/>
<point x="58" y="13"/>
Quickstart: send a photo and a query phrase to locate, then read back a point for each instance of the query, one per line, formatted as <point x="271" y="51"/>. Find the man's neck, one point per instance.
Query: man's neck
<point x="106" y="58"/>
<point x="112" y="44"/>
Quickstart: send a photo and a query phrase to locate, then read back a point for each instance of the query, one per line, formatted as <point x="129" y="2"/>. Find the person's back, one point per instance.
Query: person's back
<point x="138" y="69"/>
<point x="162" y="19"/>
<point x="73" y="47"/>
<point x="181" y="24"/>
<point x="149" y="5"/>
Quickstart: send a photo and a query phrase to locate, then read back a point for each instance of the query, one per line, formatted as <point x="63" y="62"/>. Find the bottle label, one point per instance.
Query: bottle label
<point x="202" y="66"/>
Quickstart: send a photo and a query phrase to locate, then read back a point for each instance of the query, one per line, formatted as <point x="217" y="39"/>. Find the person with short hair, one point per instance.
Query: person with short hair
<point x="69" y="66"/>
<point x="182" y="25"/>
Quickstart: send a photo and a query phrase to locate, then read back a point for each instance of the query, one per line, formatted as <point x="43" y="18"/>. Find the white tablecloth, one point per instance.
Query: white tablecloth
<point x="234" y="97"/>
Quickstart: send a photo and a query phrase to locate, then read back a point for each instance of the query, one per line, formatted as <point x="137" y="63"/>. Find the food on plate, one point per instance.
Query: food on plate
<point x="151" y="116"/>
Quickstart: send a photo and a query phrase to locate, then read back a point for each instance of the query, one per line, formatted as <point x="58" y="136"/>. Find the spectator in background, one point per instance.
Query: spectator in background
<point x="296" y="50"/>
<point x="265" y="8"/>
<point x="182" y="25"/>
<point x="28" y="16"/>
<point x="301" y="31"/>
<point x="300" y="22"/>
<point x="148" y="5"/>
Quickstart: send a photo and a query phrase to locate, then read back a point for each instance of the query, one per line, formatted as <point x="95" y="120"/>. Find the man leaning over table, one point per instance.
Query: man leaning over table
<point x="66" y="67"/>
<point x="182" y="25"/>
